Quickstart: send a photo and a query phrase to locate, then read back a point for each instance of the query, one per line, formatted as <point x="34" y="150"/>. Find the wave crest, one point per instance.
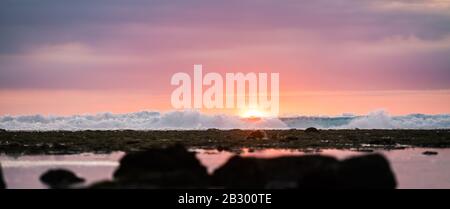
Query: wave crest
<point x="148" y="120"/>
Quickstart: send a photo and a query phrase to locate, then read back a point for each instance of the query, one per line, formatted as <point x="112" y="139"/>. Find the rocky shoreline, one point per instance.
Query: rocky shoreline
<point x="72" y="142"/>
<point x="161" y="159"/>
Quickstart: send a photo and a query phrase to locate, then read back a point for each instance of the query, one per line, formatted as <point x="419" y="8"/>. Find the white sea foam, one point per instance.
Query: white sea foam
<point x="147" y="120"/>
<point x="139" y="121"/>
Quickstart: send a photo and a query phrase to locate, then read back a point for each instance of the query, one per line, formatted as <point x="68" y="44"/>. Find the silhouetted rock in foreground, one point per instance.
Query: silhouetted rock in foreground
<point x="175" y="167"/>
<point x="311" y="130"/>
<point x="282" y="172"/>
<point x="171" y="167"/>
<point x="60" y="178"/>
<point x="370" y="171"/>
<point x="2" y="182"/>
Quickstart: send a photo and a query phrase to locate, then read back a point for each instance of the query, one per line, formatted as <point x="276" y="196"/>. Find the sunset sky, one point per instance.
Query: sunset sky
<point x="333" y="57"/>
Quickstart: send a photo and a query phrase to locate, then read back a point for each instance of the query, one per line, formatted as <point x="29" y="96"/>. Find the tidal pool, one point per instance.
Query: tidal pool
<point x="412" y="169"/>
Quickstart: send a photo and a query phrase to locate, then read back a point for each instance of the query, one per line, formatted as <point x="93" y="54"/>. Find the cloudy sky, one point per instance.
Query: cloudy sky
<point x="70" y="57"/>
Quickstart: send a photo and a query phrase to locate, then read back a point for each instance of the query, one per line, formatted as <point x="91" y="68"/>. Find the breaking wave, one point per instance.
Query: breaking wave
<point x="147" y="120"/>
<point x="374" y="120"/>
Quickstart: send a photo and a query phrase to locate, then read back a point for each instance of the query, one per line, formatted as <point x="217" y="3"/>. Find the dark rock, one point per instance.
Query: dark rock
<point x="60" y="178"/>
<point x="121" y="185"/>
<point x="223" y="148"/>
<point x="258" y="134"/>
<point x="382" y="141"/>
<point x="311" y="130"/>
<point x="429" y="153"/>
<point x="60" y="146"/>
<point x="290" y="138"/>
<point x="283" y="172"/>
<point x="2" y="182"/>
<point x="366" y="172"/>
<point x="170" y="167"/>
<point x="239" y="172"/>
<point x="304" y="172"/>
<point x="132" y="142"/>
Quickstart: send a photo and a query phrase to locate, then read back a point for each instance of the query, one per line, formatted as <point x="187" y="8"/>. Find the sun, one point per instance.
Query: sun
<point x="253" y="113"/>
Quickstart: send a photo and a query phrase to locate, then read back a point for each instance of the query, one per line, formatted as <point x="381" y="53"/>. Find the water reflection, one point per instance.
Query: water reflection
<point x="411" y="167"/>
<point x="23" y="172"/>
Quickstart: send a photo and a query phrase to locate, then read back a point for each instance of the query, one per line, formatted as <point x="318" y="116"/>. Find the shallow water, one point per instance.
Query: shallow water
<point x="411" y="167"/>
<point x="24" y="171"/>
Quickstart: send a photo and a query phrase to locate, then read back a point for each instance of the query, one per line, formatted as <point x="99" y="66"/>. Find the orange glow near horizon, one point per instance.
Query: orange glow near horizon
<point x="70" y="102"/>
